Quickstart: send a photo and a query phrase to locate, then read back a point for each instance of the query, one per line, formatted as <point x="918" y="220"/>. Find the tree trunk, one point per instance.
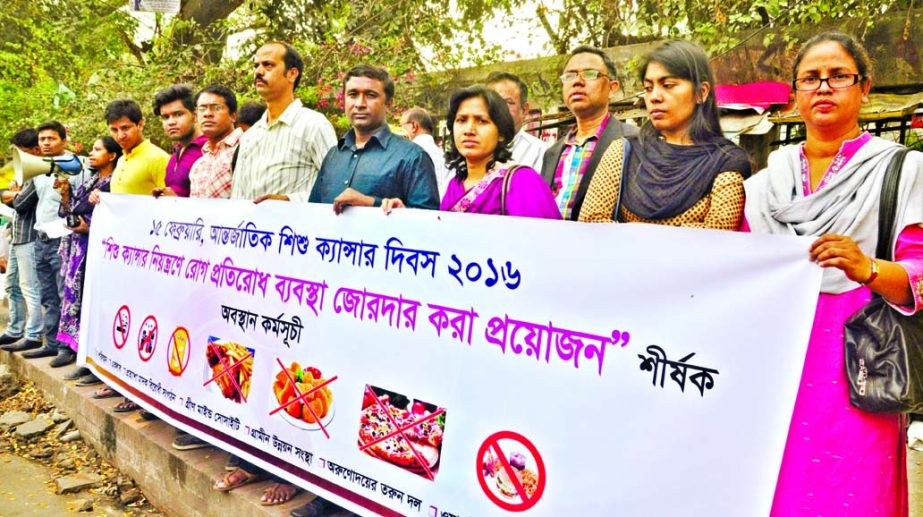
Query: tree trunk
<point x="204" y="13"/>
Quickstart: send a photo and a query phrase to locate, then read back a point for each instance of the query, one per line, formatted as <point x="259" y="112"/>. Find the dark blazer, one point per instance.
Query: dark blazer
<point x="615" y="130"/>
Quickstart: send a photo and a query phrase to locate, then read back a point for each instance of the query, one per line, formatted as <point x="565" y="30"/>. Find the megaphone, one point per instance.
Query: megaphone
<point x="27" y="166"/>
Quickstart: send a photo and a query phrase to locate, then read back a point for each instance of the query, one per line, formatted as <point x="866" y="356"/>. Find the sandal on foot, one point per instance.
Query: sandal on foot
<point x="236" y="479"/>
<point x="126" y="406"/>
<point x="105" y="393"/>
<point x="279" y="493"/>
<point x="232" y="463"/>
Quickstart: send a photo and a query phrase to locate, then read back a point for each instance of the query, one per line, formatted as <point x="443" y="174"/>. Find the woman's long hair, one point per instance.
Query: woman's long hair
<point x="499" y="114"/>
<point x="686" y="60"/>
<point x="112" y="147"/>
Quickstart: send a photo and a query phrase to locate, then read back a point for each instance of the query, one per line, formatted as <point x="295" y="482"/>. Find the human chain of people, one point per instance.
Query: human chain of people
<point x="671" y="166"/>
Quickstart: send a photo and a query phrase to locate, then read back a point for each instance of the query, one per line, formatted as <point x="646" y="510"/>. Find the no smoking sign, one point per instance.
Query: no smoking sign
<point x="120" y="327"/>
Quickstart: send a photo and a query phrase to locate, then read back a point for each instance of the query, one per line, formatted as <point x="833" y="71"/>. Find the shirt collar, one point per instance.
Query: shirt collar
<point x="572" y="134"/>
<point x="382" y="137"/>
<point x="229" y="140"/>
<point x="424" y="139"/>
<point x="196" y="142"/>
<point x="138" y="148"/>
<point x="287" y="117"/>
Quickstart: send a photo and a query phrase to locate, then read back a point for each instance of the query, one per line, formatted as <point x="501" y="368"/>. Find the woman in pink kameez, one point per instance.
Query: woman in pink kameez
<point x="481" y="131"/>
<point x="839" y="460"/>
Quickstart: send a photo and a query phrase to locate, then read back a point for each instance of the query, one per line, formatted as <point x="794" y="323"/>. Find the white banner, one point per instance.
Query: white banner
<point x="440" y="364"/>
<point x="155" y="6"/>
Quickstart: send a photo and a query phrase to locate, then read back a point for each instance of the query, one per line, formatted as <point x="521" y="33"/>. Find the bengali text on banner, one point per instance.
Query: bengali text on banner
<point x="437" y="364"/>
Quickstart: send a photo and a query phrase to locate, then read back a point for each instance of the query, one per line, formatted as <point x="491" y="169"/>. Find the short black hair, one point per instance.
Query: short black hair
<point x="291" y="58"/>
<point x="587" y="49"/>
<point x="496" y="77"/>
<point x="53" y="125"/>
<point x="172" y="93"/>
<point x="26" y="138"/>
<point x="421" y="117"/>
<point x="222" y="91"/>
<point x="250" y="113"/>
<point x="372" y="72"/>
<point x="499" y="114"/>
<point x="123" y="108"/>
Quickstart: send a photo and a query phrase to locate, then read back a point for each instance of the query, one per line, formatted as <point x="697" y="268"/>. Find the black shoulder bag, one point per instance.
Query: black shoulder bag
<point x="884" y="349"/>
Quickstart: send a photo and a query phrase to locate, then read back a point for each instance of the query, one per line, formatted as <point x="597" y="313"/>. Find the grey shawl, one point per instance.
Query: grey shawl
<point x="847" y="205"/>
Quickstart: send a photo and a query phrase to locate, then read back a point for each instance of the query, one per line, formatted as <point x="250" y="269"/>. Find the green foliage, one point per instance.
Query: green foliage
<point x="715" y="24"/>
<point x="91" y="47"/>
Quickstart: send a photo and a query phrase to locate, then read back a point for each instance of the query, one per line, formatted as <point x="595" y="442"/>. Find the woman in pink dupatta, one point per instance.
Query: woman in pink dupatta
<point x="839" y="460"/>
<point x="481" y="131"/>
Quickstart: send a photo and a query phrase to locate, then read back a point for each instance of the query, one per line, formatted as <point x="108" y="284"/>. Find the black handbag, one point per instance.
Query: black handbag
<point x="884" y="348"/>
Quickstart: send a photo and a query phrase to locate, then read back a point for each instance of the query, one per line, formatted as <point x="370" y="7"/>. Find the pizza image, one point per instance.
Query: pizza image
<point x="417" y="448"/>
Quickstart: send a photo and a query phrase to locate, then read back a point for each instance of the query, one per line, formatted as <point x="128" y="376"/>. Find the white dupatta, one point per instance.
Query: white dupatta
<point x="846" y="205"/>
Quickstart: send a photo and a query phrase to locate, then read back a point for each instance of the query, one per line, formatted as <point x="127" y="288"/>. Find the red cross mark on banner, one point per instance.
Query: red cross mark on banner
<point x="228" y="370"/>
<point x="400" y="430"/>
<point x="521" y="500"/>
<point x="302" y="397"/>
<point x="147" y="338"/>
<point x="178" y="351"/>
<point x="120" y="326"/>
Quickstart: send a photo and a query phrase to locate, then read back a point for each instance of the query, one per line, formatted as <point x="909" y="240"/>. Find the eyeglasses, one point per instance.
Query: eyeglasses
<point x="836" y="82"/>
<point x="587" y="75"/>
<point x="206" y="108"/>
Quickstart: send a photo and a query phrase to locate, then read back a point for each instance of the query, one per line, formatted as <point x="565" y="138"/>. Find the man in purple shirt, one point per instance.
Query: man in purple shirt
<point x="175" y="105"/>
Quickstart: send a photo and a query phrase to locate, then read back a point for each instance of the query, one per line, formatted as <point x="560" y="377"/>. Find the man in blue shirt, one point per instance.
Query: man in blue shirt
<point x="369" y="163"/>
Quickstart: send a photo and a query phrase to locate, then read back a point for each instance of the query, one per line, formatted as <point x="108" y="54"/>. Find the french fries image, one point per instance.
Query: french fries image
<point x="227" y="355"/>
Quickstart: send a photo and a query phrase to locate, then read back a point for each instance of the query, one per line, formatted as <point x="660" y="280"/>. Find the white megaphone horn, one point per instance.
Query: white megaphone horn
<point x="27" y="166"/>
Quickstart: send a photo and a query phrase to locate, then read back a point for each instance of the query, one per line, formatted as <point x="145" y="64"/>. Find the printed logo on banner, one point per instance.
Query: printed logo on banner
<point x="229" y="366"/>
<point x="120" y="327"/>
<point x="178" y="351"/>
<point x="510" y="470"/>
<point x="147" y="338"/>
<point x="403" y="432"/>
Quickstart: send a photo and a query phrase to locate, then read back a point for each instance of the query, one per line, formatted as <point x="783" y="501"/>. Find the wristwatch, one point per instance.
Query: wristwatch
<point x="873" y="275"/>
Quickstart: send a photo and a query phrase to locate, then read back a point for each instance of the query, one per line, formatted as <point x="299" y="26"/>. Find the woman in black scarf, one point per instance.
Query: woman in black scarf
<point x="680" y="170"/>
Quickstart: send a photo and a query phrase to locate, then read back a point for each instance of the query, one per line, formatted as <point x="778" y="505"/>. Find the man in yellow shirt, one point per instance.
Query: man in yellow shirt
<point x="143" y="165"/>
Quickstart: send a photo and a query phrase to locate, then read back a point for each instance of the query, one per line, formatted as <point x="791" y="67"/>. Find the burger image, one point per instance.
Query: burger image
<point x="505" y="484"/>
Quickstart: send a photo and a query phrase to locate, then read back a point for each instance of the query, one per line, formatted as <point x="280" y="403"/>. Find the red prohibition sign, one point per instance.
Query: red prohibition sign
<point x="492" y="443"/>
<point x="120" y="326"/>
<point x="180" y="337"/>
<point x="147" y="339"/>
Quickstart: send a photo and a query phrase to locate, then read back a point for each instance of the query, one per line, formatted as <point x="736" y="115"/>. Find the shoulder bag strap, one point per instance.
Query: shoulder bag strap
<point x="888" y="204"/>
<point x="506" y="187"/>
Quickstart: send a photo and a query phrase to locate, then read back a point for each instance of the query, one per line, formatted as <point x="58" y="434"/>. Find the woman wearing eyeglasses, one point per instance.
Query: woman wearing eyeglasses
<point x="486" y="180"/>
<point x="680" y="170"/>
<point x="839" y="460"/>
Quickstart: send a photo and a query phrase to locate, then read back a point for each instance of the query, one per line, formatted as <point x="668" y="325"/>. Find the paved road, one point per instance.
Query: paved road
<point x="25" y="490"/>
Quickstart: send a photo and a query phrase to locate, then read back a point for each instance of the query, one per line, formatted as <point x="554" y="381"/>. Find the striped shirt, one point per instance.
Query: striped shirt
<point x="211" y="174"/>
<point x="574" y="159"/>
<point x="282" y="158"/>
